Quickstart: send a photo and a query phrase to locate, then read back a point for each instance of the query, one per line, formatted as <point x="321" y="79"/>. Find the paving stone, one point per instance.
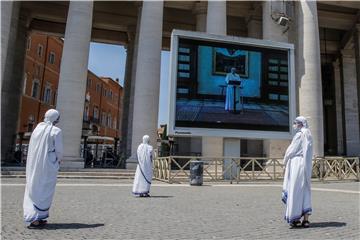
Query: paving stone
<point x="181" y="212"/>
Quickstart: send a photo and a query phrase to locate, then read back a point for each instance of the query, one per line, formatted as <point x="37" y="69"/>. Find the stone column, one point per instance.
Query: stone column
<point x="147" y="83"/>
<point x="209" y="146"/>
<point x="309" y="71"/>
<point x="12" y="76"/>
<point x="271" y="30"/>
<point x="339" y="110"/>
<point x="215" y="24"/>
<point x="351" y="110"/>
<point x="216" y="17"/>
<point x="254" y="27"/>
<point x="9" y="20"/>
<point x="126" y="123"/>
<point x="72" y="82"/>
<point x="357" y="58"/>
<point x="200" y="11"/>
<point x="135" y="33"/>
<point x="273" y="148"/>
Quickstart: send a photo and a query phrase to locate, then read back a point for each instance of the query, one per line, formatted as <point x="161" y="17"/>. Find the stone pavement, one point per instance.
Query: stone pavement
<point x="105" y="209"/>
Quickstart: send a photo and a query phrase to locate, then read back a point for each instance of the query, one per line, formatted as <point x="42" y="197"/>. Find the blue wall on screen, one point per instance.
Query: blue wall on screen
<point x="209" y="83"/>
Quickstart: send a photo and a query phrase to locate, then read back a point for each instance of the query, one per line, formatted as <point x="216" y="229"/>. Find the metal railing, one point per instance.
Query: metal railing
<point x="176" y="168"/>
<point x="338" y="168"/>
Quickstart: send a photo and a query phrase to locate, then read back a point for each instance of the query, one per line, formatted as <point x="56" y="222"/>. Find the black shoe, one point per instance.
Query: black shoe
<point x="295" y="224"/>
<point x="35" y="225"/>
<point x="42" y="222"/>
<point x="144" y="195"/>
<point x="305" y="224"/>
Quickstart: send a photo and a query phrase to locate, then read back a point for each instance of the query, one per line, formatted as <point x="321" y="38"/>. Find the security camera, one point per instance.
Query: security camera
<point x="283" y="21"/>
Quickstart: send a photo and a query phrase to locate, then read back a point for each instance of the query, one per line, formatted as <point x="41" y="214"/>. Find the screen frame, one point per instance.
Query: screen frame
<point x="217" y="132"/>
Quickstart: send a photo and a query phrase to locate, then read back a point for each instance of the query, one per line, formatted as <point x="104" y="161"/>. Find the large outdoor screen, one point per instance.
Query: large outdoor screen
<point x="228" y="86"/>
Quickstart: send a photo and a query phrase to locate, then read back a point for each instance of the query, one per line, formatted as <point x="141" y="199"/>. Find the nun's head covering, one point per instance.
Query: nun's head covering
<point x="146" y="139"/>
<point x="302" y="120"/>
<point x="51" y="116"/>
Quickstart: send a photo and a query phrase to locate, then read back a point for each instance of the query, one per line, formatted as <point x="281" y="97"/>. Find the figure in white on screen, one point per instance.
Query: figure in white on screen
<point x="43" y="160"/>
<point x="229" y="101"/>
<point x="296" y="193"/>
<point x="144" y="170"/>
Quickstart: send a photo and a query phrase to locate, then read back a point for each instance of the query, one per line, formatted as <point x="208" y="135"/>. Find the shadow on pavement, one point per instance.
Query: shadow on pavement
<point x="327" y="224"/>
<point x="161" y="196"/>
<point x="55" y="226"/>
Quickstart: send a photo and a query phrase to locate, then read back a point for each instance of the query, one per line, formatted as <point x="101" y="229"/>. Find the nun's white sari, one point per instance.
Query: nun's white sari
<point x="44" y="153"/>
<point x="144" y="170"/>
<point x="296" y="193"/>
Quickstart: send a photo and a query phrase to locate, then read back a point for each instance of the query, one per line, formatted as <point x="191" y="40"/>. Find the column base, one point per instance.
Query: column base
<point x="72" y="163"/>
<point x="131" y="162"/>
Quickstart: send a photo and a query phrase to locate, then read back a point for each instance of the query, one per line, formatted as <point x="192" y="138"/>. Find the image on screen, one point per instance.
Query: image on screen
<point x="230" y="86"/>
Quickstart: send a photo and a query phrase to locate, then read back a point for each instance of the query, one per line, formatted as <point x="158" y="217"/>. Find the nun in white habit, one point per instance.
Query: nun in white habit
<point x="144" y="170"/>
<point x="44" y="154"/>
<point x="296" y="193"/>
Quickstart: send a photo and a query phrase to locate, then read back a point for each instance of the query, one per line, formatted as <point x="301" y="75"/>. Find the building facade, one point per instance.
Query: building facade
<point x="41" y="77"/>
<point x="102" y="105"/>
<point x="325" y="35"/>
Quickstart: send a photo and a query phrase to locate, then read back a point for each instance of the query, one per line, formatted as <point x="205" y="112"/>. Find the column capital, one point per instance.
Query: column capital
<point x="200" y="8"/>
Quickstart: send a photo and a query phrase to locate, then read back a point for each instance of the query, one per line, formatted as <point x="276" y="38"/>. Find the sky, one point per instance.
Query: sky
<point x="107" y="60"/>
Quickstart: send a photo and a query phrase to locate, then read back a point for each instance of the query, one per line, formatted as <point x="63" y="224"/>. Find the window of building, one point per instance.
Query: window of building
<point x="105" y="92"/>
<point x="54" y="99"/>
<point x="109" y="120"/>
<point x="25" y="81"/>
<point x="96" y="113"/>
<point x="35" y="89"/>
<point x="110" y="94"/>
<point x="40" y="50"/>
<point x="86" y="113"/>
<point x="47" y="94"/>
<point x="51" y="58"/>
<point x="28" y="44"/>
<point x="103" y="118"/>
<point x="88" y="83"/>
<point x="98" y="88"/>
<point x="31" y="122"/>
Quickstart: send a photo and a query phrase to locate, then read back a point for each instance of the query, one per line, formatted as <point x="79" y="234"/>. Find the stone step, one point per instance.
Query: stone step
<point x="122" y="173"/>
<point x="82" y="174"/>
<point x="73" y="170"/>
<point x="77" y="177"/>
